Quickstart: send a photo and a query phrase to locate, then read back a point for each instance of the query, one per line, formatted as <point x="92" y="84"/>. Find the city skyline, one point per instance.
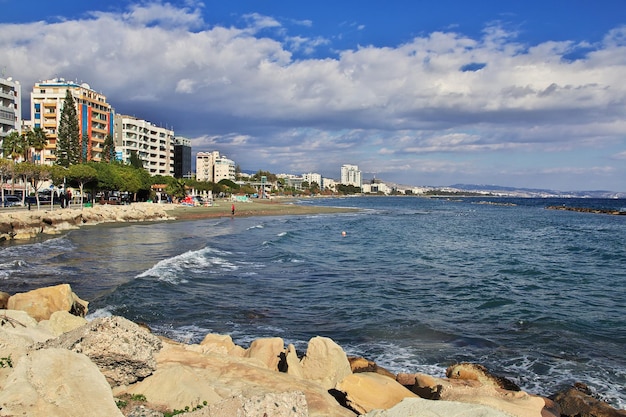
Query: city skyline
<point x="522" y="95"/>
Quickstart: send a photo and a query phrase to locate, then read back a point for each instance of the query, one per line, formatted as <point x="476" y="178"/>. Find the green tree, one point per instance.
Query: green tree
<point x="82" y="174"/>
<point x="37" y="140"/>
<point x="13" y="145"/>
<point x="176" y="188"/>
<point x="108" y="150"/>
<point x="135" y="160"/>
<point x="68" y="139"/>
<point x="35" y="175"/>
<point x="6" y="172"/>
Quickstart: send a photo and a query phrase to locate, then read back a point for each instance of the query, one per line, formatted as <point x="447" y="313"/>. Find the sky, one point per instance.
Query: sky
<point x="528" y="94"/>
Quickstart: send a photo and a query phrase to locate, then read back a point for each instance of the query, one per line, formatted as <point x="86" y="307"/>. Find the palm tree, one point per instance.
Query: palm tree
<point x="13" y="145"/>
<point x="6" y="171"/>
<point x="37" y="140"/>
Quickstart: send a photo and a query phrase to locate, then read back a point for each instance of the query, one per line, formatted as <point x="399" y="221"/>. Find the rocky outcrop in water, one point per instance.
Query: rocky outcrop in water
<point x="65" y="366"/>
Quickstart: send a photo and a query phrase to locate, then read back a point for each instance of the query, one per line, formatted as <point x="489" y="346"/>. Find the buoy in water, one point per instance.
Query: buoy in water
<point x="343" y="233"/>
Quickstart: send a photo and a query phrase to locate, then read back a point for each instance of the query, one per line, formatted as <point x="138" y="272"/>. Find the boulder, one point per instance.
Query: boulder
<point x="215" y="378"/>
<point x="325" y="362"/>
<point x="57" y="383"/>
<point x="474" y="371"/>
<point x="42" y="302"/>
<point x="62" y="322"/>
<point x="472" y="391"/>
<point x="267" y="350"/>
<point x="367" y="391"/>
<point x="18" y="333"/>
<point x="222" y="344"/>
<point x="577" y="401"/>
<point x="427" y="408"/>
<point x="292" y="362"/>
<point x="358" y="364"/>
<point x="123" y="351"/>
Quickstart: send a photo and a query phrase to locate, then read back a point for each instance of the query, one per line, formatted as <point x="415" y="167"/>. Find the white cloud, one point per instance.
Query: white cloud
<point x="232" y="87"/>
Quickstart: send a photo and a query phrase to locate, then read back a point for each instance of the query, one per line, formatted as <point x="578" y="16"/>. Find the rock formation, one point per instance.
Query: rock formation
<point x="58" y="364"/>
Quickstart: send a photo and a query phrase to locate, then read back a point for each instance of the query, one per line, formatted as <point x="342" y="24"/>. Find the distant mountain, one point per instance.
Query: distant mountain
<point x="536" y="192"/>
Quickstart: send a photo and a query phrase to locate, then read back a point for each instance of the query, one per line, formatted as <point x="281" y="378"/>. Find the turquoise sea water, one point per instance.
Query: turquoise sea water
<point x="416" y="284"/>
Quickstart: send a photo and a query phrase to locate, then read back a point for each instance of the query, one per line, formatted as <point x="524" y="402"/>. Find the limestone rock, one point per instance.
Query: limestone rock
<point x="217" y="378"/>
<point x="284" y="404"/>
<point x="516" y="403"/>
<point x="479" y="373"/>
<point x="294" y="367"/>
<point x="422" y="407"/>
<point x="61" y="322"/>
<point x="18" y="333"/>
<point x="57" y="383"/>
<point x="367" y="391"/>
<point x="325" y="362"/>
<point x="363" y="365"/>
<point x="4" y="300"/>
<point x="42" y="302"/>
<point x="122" y="350"/>
<point x="222" y="344"/>
<point x="577" y="401"/>
<point x="267" y="350"/>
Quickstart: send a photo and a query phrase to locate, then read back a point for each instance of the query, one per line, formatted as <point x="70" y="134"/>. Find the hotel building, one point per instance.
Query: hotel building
<point x="212" y="167"/>
<point x="350" y="175"/>
<point x="153" y="145"/>
<point x="95" y="116"/>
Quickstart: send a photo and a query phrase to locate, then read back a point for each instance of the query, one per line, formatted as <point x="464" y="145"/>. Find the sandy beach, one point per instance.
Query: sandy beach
<point x="222" y="208"/>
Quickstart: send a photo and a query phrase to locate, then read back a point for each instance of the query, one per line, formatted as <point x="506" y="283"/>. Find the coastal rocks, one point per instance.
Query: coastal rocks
<point x="325" y="362"/>
<point x="27" y="224"/>
<point x="123" y="351"/>
<point x="426" y="408"/>
<point x="577" y="401"/>
<point x="186" y="377"/>
<point x="267" y="350"/>
<point x="56" y="383"/>
<point x="476" y="372"/>
<point x="368" y="391"/>
<point x="284" y="404"/>
<point x="42" y="302"/>
<point x="472" y="391"/>
<point x="358" y="364"/>
<point x="4" y="300"/>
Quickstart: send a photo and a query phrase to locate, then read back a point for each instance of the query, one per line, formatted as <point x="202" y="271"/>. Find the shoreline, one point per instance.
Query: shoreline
<point x="22" y="224"/>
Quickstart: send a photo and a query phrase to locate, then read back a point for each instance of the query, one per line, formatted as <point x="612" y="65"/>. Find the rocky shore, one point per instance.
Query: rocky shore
<point x="54" y="362"/>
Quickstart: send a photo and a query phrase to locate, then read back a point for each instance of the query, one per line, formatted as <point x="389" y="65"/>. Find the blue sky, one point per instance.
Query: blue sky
<point x="512" y="93"/>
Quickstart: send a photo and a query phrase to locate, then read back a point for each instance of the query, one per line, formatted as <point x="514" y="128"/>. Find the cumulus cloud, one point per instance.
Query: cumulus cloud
<point x="258" y="93"/>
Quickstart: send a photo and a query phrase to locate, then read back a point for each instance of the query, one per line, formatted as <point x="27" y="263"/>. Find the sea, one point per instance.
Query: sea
<point x="415" y="284"/>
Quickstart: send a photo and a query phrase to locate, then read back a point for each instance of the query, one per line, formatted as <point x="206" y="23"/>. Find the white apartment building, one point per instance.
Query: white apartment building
<point x="154" y="145"/>
<point x="350" y="175"/>
<point x="213" y="167"/>
<point x="95" y="115"/>
<point x="312" y="177"/>
<point x="10" y="107"/>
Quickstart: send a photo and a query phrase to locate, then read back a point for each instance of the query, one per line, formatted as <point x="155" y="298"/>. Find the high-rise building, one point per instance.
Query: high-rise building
<point x="95" y="116"/>
<point x="212" y="167"/>
<point x="182" y="157"/>
<point x="10" y="107"/>
<point x="350" y="175"/>
<point x="152" y="144"/>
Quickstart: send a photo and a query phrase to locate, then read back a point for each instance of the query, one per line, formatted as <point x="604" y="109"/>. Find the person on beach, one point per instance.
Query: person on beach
<point x="232" y="209"/>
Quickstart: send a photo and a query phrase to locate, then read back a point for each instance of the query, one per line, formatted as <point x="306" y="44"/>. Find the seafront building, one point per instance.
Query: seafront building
<point x="312" y="177"/>
<point x="213" y="167"/>
<point x="95" y="115"/>
<point x="350" y="175"/>
<point x="10" y="107"/>
<point x="182" y="157"/>
<point x="153" y="145"/>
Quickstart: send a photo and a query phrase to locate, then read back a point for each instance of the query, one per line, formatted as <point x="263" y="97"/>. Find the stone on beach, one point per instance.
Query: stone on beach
<point x="42" y="302"/>
<point x="367" y="391"/>
<point x="409" y="407"/>
<point x="123" y="351"/>
<point x="325" y="362"/>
